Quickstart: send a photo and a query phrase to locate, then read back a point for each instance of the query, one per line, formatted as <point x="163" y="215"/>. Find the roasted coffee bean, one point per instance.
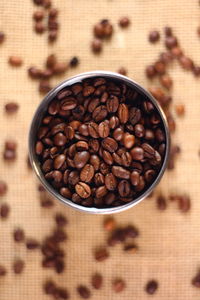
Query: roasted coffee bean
<point x="59" y="161"/>
<point x="18" y="235"/>
<point x="113" y="122"/>
<point x="94" y="145"/>
<point x="69" y="132"/>
<point x="184" y="203"/>
<point x="44" y="86"/>
<point x="100" y="113"/>
<point x="87" y="173"/>
<point x="81" y="158"/>
<point x="95" y="161"/>
<point x="39" y="27"/>
<point x="99" y="179"/>
<point x="139" y="130"/>
<point x="196" y="280"/>
<point x="82" y="145"/>
<point x="124" y="22"/>
<point x="118" y="285"/>
<point x="68" y="103"/>
<point x="11" y="107"/>
<point x="15" y="61"/>
<point x="141" y="185"/>
<point x="118" y="134"/>
<point x="83" y="190"/>
<point x="123" y="113"/>
<point x="83" y="291"/>
<point x="109" y="144"/>
<point x="110" y="182"/>
<point x="166" y="81"/>
<point x="60" y="219"/>
<point x="126" y="159"/>
<point x="149" y="175"/>
<point x="149" y="135"/>
<point x="171" y="42"/>
<point x="18" y="266"/>
<point x="32" y="244"/>
<point x="128" y="140"/>
<point x="124" y="188"/>
<point x="120" y="172"/>
<point x="122" y="71"/>
<point x="109" y="224"/>
<point x="109" y="199"/>
<point x="65" y="192"/>
<point x="2" y="37"/>
<point x="186" y="62"/>
<point x="3" y="188"/>
<point x="160" y="67"/>
<point x="101" y="254"/>
<point x="151" y="287"/>
<point x="180" y="109"/>
<point x="154" y="36"/>
<point x="134" y="115"/>
<point x="92" y="104"/>
<point x="83" y="129"/>
<point x="103" y="129"/>
<point x="112" y="104"/>
<point x="93" y="130"/>
<point x="135" y="178"/>
<point x="161" y="202"/>
<point x="101" y="191"/>
<point x="2" y="271"/>
<point x="97" y="281"/>
<point x="4" y="210"/>
<point x="150" y="71"/>
<point x="73" y="177"/>
<point x="96" y="45"/>
<point x="137" y="153"/>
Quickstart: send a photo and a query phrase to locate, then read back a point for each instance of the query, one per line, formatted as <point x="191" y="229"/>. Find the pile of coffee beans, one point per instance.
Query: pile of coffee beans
<point x="100" y="143"/>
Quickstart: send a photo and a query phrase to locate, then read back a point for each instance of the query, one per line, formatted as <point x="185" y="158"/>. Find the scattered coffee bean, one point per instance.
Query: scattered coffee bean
<point x="103" y="29"/>
<point x="184" y="203"/>
<point x="2" y="271"/>
<point x="74" y="61"/>
<point x="32" y="244"/>
<point x="15" y="61"/>
<point x="118" y="285"/>
<point x="171" y="42"/>
<point x="61" y="220"/>
<point x="196" y="280"/>
<point x="166" y="81"/>
<point x="96" y="45"/>
<point x="130" y="248"/>
<point x="151" y="287"/>
<point x="150" y="71"/>
<point x="11" y="107"/>
<point x="39" y="27"/>
<point x="38" y="15"/>
<point x="4" y="210"/>
<point x="122" y="71"/>
<point x="44" y="86"/>
<point x="84" y="292"/>
<point x="124" y="22"/>
<point x="154" y="36"/>
<point x="101" y="254"/>
<point x="180" y="109"/>
<point x="2" y="37"/>
<point x="109" y="224"/>
<point x="161" y="202"/>
<point x="186" y="62"/>
<point x="18" y="266"/>
<point x="18" y="235"/>
<point x="3" y="188"/>
<point x="97" y="281"/>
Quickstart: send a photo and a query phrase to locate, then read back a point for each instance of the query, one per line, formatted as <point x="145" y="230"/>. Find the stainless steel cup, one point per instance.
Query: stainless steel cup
<point x="40" y="113"/>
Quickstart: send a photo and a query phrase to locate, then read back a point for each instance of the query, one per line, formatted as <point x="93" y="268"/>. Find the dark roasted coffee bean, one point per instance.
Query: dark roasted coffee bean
<point x="196" y="280"/>
<point x="139" y="130"/>
<point x="149" y="175"/>
<point x="124" y="22"/>
<point x="4" y="210"/>
<point x="184" y="203"/>
<point x="97" y="281"/>
<point x="65" y="192"/>
<point x="118" y="285"/>
<point x="110" y="182"/>
<point x="18" y="266"/>
<point x="87" y="173"/>
<point x="11" y="107"/>
<point x="99" y="179"/>
<point x="120" y="172"/>
<point x="59" y="161"/>
<point x="81" y="158"/>
<point x="128" y="140"/>
<point x="109" y="144"/>
<point x="95" y="161"/>
<point x="93" y="130"/>
<point x="3" y="188"/>
<point x="73" y="177"/>
<point x="32" y="244"/>
<point x="124" y="188"/>
<point x="134" y="115"/>
<point x="126" y="159"/>
<point x="151" y="287"/>
<point x="123" y="113"/>
<point x="137" y="153"/>
<point x="118" y="134"/>
<point x="96" y="45"/>
<point x="94" y="145"/>
<point x="69" y="132"/>
<point x="60" y="219"/>
<point x="2" y="271"/>
<point x="135" y="178"/>
<point x="161" y="202"/>
<point x="141" y="185"/>
<point x="107" y="157"/>
<point x="83" y="291"/>
<point x="160" y="67"/>
<point x="82" y="145"/>
<point x="68" y="103"/>
<point x="112" y="104"/>
<point x="171" y="42"/>
<point x="154" y="36"/>
<point x="150" y="71"/>
<point x="100" y="113"/>
<point x="101" y="254"/>
<point x="18" y="235"/>
<point x="113" y="122"/>
<point x="101" y="191"/>
<point x="103" y="129"/>
<point x="2" y="37"/>
<point x="83" y="190"/>
<point x="186" y="62"/>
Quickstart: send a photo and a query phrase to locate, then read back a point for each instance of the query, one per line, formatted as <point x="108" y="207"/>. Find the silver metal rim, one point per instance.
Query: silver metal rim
<point x="36" y="122"/>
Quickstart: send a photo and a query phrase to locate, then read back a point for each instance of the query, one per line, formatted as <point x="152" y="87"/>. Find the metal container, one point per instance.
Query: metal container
<point x="40" y="113"/>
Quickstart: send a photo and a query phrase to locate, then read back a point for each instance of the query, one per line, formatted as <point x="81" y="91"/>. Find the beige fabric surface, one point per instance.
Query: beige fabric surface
<point x="169" y="241"/>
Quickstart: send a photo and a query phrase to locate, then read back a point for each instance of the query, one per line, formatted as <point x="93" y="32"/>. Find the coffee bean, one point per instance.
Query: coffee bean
<point x="15" y="61"/>
<point x="109" y="224"/>
<point x="93" y="129"/>
<point x="128" y="140"/>
<point x="101" y="191"/>
<point x="18" y="266"/>
<point x="99" y="113"/>
<point x="137" y="153"/>
<point x="39" y="27"/>
<point x="44" y="86"/>
<point x="151" y="287"/>
<point x="32" y="244"/>
<point x="134" y="115"/>
<point x="52" y="35"/>
<point x="161" y="202"/>
<point x="11" y="107"/>
<point x="97" y="281"/>
<point x="135" y="178"/>
<point x="123" y="113"/>
<point x="60" y="139"/>
<point x="154" y="36"/>
<point x="196" y="280"/>
<point x="130" y="248"/>
<point x="126" y="159"/>
<point x="118" y="285"/>
<point x="112" y="104"/>
<point x="87" y="173"/>
<point x="186" y="62"/>
<point x="60" y="219"/>
<point x="2" y="37"/>
<point x="2" y="271"/>
<point x="81" y="158"/>
<point x="139" y="130"/>
<point x="101" y="254"/>
<point x="4" y="210"/>
<point x="109" y="144"/>
<point x="103" y="129"/>
<point x="38" y="15"/>
<point x="166" y="81"/>
<point x="124" y="22"/>
<point x="122" y="71"/>
<point x="171" y="42"/>
<point x="150" y="71"/>
<point x="18" y="235"/>
<point x="96" y="45"/>
<point x="176" y="52"/>
<point x="118" y="134"/>
<point x="110" y="182"/>
<point x="3" y="188"/>
<point x="83" y="291"/>
<point x="83" y="190"/>
<point x="120" y="172"/>
<point x="184" y="203"/>
<point x="99" y="179"/>
<point x="149" y="175"/>
<point x="124" y="188"/>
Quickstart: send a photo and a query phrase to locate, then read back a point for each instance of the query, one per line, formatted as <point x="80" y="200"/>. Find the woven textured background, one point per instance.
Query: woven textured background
<point x="169" y="241"/>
